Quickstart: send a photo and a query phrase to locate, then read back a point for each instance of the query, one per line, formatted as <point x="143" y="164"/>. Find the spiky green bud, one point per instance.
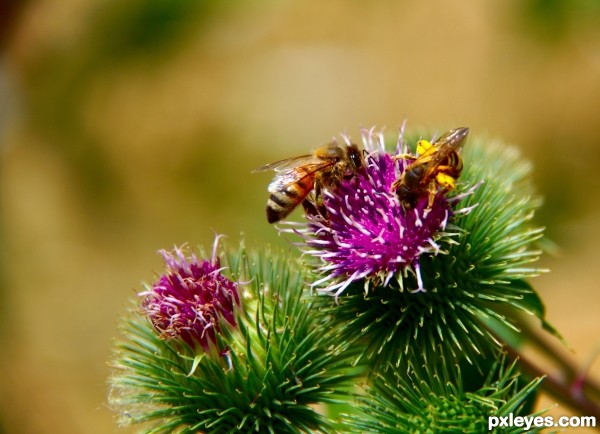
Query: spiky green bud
<point x="427" y="399"/>
<point x="279" y="364"/>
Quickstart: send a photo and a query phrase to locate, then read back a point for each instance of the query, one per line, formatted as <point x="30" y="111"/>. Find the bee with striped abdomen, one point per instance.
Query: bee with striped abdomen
<point x="296" y="177"/>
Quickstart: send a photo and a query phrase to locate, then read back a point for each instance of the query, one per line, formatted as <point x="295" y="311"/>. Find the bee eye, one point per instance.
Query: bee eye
<point x="355" y="157"/>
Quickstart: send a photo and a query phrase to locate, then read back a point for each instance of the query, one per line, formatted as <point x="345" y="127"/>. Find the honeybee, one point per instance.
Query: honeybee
<point x="436" y="165"/>
<point x="297" y="176"/>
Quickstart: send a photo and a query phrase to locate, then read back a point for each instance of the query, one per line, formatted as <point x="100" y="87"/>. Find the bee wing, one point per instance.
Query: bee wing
<point x="432" y="166"/>
<point x="296" y="174"/>
<point x="288" y="163"/>
<point x="453" y="139"/>
<point x="449" y="142"/>
<point x="425" y="158"/>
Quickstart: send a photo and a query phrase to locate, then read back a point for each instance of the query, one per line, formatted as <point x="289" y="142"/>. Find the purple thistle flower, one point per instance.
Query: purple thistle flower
<point x="191" y="299"/>
<point x="366" y="233"/>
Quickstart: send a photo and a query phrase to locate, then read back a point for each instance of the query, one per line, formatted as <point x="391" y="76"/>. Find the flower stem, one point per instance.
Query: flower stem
<point x="571" y="386"/>
<point x="577" y="375"/>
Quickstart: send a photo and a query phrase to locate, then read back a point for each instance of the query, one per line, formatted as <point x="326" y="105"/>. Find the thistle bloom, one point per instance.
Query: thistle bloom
<point x="191" y="299"/>
<point x="367" y="234"/>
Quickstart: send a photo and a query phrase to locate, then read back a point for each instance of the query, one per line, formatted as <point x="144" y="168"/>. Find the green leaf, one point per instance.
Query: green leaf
<point x="534" y="302"/>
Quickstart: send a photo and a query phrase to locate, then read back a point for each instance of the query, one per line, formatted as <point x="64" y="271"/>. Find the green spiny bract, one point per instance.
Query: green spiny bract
<point x="427" y="399"/>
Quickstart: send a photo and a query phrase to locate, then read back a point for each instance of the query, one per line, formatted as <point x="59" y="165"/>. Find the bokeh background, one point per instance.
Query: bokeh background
<point x="126" y="127"/>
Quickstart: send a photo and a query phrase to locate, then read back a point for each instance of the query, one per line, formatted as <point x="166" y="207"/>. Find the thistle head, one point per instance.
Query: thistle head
<point x="425" y="280"/>
<point x="278" y="370"/>
<point x="365" y="233"/>
<point x="191" y="300"/>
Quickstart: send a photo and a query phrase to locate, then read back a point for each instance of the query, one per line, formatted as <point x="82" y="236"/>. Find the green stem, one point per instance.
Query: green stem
<point x="576" y="375"/>
<point x="558" y="387"/>
<point x="572" y="388"/>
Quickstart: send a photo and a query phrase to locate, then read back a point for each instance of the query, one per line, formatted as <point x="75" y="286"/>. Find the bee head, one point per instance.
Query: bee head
<point x="355" y="157"/>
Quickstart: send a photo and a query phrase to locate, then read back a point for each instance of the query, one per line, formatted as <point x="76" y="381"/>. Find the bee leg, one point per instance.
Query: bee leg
<point x="432" y="188"/>
<point x="319" y="205"/>
<point x="445" y="181"/>
<point x="404" y="157"/>
<point x="309" y="207"/>
<point x="395" y="185"/>
<point x="423" y="147"/>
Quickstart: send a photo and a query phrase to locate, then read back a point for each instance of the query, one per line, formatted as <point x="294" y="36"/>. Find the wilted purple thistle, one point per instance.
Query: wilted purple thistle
<point x="191" y="299"/>
<point x="365" y="233"/>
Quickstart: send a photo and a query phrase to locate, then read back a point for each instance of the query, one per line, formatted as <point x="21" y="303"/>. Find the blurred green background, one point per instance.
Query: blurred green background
<point x="126" y="127"/>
